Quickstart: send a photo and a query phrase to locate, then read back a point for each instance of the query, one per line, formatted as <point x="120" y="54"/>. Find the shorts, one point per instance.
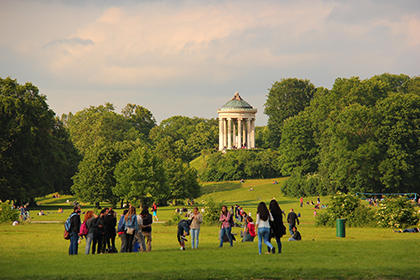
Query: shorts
<point x="154" y="213"/>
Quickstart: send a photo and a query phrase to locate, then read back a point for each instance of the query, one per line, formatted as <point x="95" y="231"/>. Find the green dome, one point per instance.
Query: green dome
<point x="237" y="103"/>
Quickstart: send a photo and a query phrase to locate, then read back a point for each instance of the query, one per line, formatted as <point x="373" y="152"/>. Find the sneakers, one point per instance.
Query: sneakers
<point x="182" y="248"/>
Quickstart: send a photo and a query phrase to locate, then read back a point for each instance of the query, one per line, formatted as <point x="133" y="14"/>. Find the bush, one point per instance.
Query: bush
<point x="344" y="206"/>
<point x="396" y="212"/>
<point x="211" y="213"/>
<point x="176" y="217"/>
<point x="7" y="213"/>
<point x="240" y="164"/>
<point x="299" y="185"/>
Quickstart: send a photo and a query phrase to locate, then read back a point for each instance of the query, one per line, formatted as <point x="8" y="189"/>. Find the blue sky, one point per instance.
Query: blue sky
<point x="190" y="57"/>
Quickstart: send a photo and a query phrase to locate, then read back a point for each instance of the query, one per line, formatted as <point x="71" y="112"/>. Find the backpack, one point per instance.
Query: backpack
<point x="67" y="223"/>
<point x="83" y="229"/>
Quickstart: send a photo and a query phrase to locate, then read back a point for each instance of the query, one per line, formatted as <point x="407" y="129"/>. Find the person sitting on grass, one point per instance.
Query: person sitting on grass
<point x="183" y="230"/>
<point x="249" y="234"/>
<point x="296" y="235"/>
<point x="408" y="230"/>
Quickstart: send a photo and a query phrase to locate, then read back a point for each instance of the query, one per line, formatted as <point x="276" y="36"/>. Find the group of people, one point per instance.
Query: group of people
<point x="268" y="225"/>
<point x="135" y="230"/>
<point x="100" y="230"/>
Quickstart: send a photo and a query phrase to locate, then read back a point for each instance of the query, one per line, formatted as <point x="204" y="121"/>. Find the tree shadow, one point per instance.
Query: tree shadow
<point x="220" y="187"/>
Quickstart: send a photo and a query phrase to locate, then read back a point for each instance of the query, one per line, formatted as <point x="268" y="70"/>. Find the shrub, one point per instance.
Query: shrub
<point x="176" y="217"/>
<point x="211" y="213"/>
<point x="7" y="213"/>
<point x="396" y="212"/>
<point x="344" y="206"/>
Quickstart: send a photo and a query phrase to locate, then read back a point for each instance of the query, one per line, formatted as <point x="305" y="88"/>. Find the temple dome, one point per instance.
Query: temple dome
<point x="236" y="103"/>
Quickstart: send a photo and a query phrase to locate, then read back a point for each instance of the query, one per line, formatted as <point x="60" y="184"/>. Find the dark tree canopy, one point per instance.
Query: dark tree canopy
<point x="36" y="156"/>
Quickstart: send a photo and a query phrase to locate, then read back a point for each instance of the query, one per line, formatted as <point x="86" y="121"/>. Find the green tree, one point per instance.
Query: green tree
<point x="182" y="179"/>
<point x="286" y="99"/>
<point x="399" y="138"/>
<point x="140" y="175"/>
<point x="33" y="149"/>
<point x="96" y="125"/>
<point x="139" y="117"/>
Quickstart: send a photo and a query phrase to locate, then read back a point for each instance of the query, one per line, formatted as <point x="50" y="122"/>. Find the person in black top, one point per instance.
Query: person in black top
<point x="292" y="218"/>
<point x="146" y="228"/>
<point x="74" y="230"/>
<point x="278" y="229"/>
<point x="183" y="230"/>
<point x="98" y="229"/>
<point x="110" y="222"/>
<point x="296" y="235"/>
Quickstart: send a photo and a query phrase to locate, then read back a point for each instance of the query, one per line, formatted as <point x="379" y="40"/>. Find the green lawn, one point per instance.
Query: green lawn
<point x="38" y="251"/>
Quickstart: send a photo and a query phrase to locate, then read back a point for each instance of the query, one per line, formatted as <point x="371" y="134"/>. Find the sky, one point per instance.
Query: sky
<point x="190" y="57"/>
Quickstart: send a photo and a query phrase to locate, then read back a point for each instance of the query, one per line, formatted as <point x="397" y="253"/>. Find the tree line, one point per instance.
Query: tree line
<point x="359" y="136"/>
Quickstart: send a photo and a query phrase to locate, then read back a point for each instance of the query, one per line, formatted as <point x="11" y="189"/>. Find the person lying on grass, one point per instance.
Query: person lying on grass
<point x="408" y="230"/>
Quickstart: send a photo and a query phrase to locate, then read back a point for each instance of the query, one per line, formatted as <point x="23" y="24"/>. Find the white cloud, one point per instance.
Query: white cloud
<point x="192" y="52"/>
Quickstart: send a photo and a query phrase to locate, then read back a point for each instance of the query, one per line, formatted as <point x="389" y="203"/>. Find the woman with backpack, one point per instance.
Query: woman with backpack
<point x="263" y="223"/>
<point x="226" y="223"/>
<point x="130" y="227"/>
<point x="278" y="229"/>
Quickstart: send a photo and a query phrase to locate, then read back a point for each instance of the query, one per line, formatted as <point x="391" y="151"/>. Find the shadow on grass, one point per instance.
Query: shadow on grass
<point x="220" y="187"/>
<point x="255" y="202"/>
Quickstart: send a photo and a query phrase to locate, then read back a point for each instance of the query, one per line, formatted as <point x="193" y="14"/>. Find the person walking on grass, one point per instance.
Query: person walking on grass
<point x="292" y="219"/>
<point x="74" y="230"/>
<point x="263" y="223"/>
<point x="154" y="211"/>
<point x="196" y="220"/>
<point x="277" y="225"/>
<point x="225" y="229"/>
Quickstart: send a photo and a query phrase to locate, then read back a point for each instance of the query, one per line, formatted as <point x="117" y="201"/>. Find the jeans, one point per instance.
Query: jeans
<point x="89" y="239"/>
<point x="97" y="239"/>
<point x="291" y="228"/>
<point x="226" y="231"/>
<point x="148" y="239"/>
<point x="194" y="237"/>
<point x="140" y="239"/>
<point x="123" y="243"/>
<point x="264" y="235"/>
<point x="278" y="245"/>
<point x="129" y="242"/>
<point x="74" y="244"/>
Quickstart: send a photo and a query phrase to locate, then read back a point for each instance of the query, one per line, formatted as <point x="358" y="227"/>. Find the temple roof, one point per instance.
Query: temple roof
<point x="236" y="103"/>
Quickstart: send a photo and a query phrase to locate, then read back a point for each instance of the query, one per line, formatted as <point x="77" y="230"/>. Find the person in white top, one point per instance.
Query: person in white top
<point x="139" y="235"/>
<point x="263" y="223"/>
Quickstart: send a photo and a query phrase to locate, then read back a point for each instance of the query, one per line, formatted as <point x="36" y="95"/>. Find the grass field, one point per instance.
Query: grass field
<point x="38" y="251"/>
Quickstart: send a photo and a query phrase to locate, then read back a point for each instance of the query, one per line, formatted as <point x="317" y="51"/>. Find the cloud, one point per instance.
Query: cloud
<point x="162" y="53"/>
<point x="71" y="42"/>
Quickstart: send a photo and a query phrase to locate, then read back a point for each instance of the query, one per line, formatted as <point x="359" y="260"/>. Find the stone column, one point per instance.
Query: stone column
<point x="229" y="135"/>
<point x="239" y="145"/>
<point x="244" y="133"/>
<point x="253" y="134"/>
<point x="224" y="133"/>
<point x="234" y="134"/>
<point x="220" y="134"/>
<point x="248" y="144"/>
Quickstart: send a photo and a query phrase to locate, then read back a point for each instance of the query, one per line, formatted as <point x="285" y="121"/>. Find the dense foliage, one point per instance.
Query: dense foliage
<point x="7" y="214"/>
<point x="395" y="212"/>
<point x="285" y="99"/>
<point x="360" y="136"/>
<point x="240" y="164"/>
<point x="36" y="155"/>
